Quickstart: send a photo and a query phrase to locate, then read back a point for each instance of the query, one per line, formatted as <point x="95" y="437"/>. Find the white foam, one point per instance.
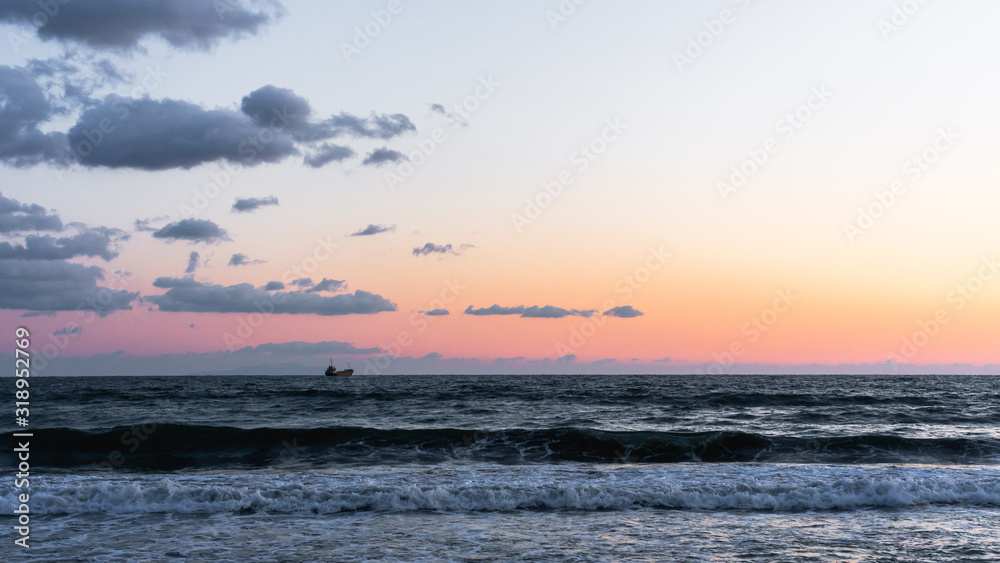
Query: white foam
<point x="730" y="487"/>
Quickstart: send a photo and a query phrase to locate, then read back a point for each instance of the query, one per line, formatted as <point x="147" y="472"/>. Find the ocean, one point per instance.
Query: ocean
<point x="510" y="468"/>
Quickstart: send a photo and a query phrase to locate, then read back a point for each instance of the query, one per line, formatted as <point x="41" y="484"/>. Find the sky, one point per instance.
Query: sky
<point x="735" y="186"/>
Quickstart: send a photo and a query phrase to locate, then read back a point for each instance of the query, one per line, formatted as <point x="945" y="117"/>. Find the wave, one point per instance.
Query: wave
<point x="323" y="494"/>
<point x="176" y="446"/>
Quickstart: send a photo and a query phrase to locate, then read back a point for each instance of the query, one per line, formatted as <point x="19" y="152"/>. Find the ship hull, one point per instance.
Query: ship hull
<point x="341" y="373"/>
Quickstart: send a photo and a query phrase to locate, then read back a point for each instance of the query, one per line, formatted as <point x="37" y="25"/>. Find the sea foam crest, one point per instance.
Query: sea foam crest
<point x="186" y="496"/>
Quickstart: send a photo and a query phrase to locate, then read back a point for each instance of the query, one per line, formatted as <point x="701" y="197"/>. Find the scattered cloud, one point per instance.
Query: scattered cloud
<point x="159" y="134"/>
<point x="326" y="285"/>
<point x="383" y="155"/>
<point x="121" y="25"/>
<point x="68" y="331"/>
<point x="240" y="259"/>
<point x="624" y="312"/>
<point x="245" y="205"/>
<point x="97" y="242"/>
<point x="168" y="282"/>
<point x="16" y="216"/>
<point x="303" y="282"/>
<point x="245" y="298"/>
<point x="533" y="312"/>
<point x="326" y="154"/>
<point x="373" y="230"/>
<point x="35" y="275"/>
<point x="450" y="116"/>
<point x="23" y="107"/>
<point x="376" y="126"/>
<point x="194" y="260"/>
<point x="436" y="312"/>
<point x="57" y="285"/>
<point x="164" y="134"/>
<point x="431" y="248"/>
<point x="274" y="286"/>
<point x="568" y="358"/>
<point x="193" y="230"/>
<point x="143" y="225"/>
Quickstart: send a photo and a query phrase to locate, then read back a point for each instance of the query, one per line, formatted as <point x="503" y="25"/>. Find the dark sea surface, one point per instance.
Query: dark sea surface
<point x="534" y="468"/>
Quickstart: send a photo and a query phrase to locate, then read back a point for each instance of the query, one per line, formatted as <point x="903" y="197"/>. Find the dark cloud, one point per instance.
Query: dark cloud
<point x="194" y="230"/>
<point x="194" y="260"/>
<point x="162" y="134"/>
<point x="436" y="312"/>
<point x="274" y="107"/>
<point x="108" y="70"/>
<point x="624" y="312"/>
<point x="99" y="242"/>
<point x="381" y="156"/>
<point x="274" y="286"/>
<point x="431" y="248"/>
<point x="245" y="298"/>
<point x="567" y="359"/>
<point x="16" y="216"/>
<point x="373" y="230"/>
<point x="328" y="348"/>
<point x="68" y="331"/>
<point x="326" y="154"/>
<point x="56" y="285"/>
<point x="123" y="24"/>
<point x="534" y="312"/>
<point x="278" y="108"/>
<point x="23" y="107"/>
<point x="167" y="282"/>
<point x="303" y="282"/>
<point x="240" y="259"/>
<point x="243" y="205"/>
<point x="327" y="286"/>
<point x="271" y="125"/>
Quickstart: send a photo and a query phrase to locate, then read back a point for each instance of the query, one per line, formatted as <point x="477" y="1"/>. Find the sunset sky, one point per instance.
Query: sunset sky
<point x="721" y="186"/>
